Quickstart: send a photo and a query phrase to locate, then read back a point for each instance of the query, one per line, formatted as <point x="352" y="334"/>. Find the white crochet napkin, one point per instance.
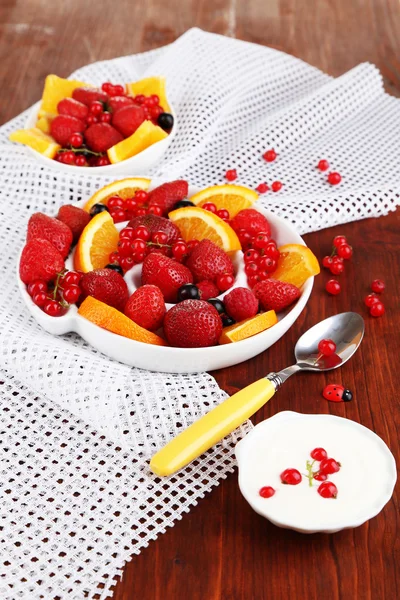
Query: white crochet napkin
<point x="77" y="430"/>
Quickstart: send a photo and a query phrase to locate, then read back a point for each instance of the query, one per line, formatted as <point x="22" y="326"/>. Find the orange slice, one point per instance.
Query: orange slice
<point x="248" y="327"/>
<point x="97" y="241"/>
<point x="145" y="135"/>
<point x="56" y="89"/>
<point x="198" y="224"/>
<point x="115" y="321"/>
<point x="296" y="264"/>
<point x="124" y="188"/>
<point x="36" y="139"/>
<point x="43" y="124"/>
<point x="148" y="86"/>
<point x="232" y="197"/>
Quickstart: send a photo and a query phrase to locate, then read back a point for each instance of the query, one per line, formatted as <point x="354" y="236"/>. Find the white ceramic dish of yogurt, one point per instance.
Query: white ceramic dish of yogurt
<point x="135" y="165"/>
<point x="365" y="480"/>
<point x="169" y="359"/>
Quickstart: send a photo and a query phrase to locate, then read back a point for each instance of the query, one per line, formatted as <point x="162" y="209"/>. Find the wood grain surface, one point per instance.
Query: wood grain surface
<point x="222" y="550"/>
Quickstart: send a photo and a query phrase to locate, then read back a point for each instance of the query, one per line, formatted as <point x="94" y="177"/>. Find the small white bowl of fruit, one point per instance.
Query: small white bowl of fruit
<point x="163" y="282"/>
<point x="115" y="128"/>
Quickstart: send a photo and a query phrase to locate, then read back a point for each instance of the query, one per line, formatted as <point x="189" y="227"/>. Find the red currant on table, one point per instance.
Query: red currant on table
<point x="370" y="300"/>
<point x="319" y="454"/>
<point x="231" y="175"/>
<point x="291" y="476"/>
<point x="40" y="298"/>
<point x="210" y="207"/>
<point x="53" y="308"/>
<point x="333" y="287"/>
<point x="37" y="286"/>
<point x="377" y="286"/>
<point x="261" y="240"/>
<point x="323" y="165"/>
<point x="224" y="282"/>
<point x="320" y="476"/>
<point x="76" y="140"/>
<point x="267" y="491"/>
<point x="327" y="347"/>
<point x="115" y="202"/>
<point x="328" y="466"/>
<point x="334" y="178"/>
<point x="223" y="214"/>
<point x="141" y="232"/>
<point x="327" y="490"/>
<point x="377" y="309"/>
<point x="71" y="294"/>
<point x="262" y="188"/>
<point x="327" y="262"/>
<point x="345" y="251"/>
<point x="276" y="186"/>
<point x="339" y="240"/>
<point x="269" y="155"/>
<point x="337" y="266"/>
<point x="141" y="196"/>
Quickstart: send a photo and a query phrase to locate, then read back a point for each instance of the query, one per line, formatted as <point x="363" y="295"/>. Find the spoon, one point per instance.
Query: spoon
<point x="345" y="329"/>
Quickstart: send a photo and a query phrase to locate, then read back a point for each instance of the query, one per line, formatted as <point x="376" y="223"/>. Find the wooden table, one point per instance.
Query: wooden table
<point x="222" y="550"/>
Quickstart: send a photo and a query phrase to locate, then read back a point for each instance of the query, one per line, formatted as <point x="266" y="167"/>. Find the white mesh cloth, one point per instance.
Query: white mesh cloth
<point x="77" y="430"/>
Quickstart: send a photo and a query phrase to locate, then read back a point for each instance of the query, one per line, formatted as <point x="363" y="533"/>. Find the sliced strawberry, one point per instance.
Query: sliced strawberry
<point x="63" y="126"/>
<point x="275" y="295"/>
<point x="168" y="194"/>
<point x="41" y="226"/>
<point x="102" y="136"/>
<point x="128" y="119"/>
<point x="166" y="274"/>
<point x="72" y="108"/>
<point x="87" y="95"/>
<point x="40" y="260"/>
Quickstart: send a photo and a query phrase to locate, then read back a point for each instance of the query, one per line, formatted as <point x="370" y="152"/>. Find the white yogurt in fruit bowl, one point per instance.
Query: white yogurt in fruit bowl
<point x="364" y="482"/>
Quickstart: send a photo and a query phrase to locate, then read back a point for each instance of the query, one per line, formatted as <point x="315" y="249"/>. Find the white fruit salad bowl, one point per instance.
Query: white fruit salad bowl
<point x="173" y="359"/>
<point x="363" y="479"/>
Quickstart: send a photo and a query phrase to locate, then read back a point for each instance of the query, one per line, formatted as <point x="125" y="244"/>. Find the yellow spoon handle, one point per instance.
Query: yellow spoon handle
<point x="211" y="428"/>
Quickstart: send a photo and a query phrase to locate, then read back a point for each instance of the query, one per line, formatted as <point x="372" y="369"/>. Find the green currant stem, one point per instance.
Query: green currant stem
<point x="310" y="473"/>
<point x="82" y="151"/>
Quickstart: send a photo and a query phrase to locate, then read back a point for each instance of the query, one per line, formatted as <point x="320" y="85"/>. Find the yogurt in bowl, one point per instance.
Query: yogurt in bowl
<point x="364" y="482"/>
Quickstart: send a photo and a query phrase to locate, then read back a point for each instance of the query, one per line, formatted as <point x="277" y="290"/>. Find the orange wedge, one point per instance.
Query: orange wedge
<point x="124" y="188"/>
<point x="232" y="197"/>
<point x="36" y="139"/>
<point x="148" y="86"/>
<point x="248" y="327"/>
<point x="97" y="241"/>
<point x="115" y="321"/>
<point x="43" y="124"/>
<point x="56" y="89"/>
<point x="145" y="135"/>
<point x="198" y="224"/>
<point x="296" y="264"/>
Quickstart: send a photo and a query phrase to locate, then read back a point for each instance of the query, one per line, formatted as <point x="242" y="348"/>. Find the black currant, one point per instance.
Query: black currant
<point x="115" y="267"/>
<point x="227" y="321"/>
<point x="188" y="292"/>
<point x="347" y="396"/>
<point x="165" y="121"/>
<point x="218" y="304"/>
<point x="97" y="208"/>
<point x="182" y="204"/>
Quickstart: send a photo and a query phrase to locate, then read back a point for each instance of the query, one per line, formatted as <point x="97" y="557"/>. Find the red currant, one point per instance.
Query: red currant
<point x="370" y="300"/>
<point x="192" y="244"/>
<point x="141" y="212"/>
<point x="261" y="240"/>
<point x="327" y="490"/>
<point x="138" y="245"/>
<point x="155" y="112"/>
<point x="159" y="237"/>
<point x="328" y="466"/>
<point x="114" y="258"/>
<point x="251" y="268"/>
<point x="269" y="155"/>
<point x="103" y="161"/>
<point x="179" y="250"/>
<point x="327" y="347"/>
<point x="76" y="140"/>
<point x="336" y="267"/>
<point x="377" y="309"/>
<point x="333" y="287"/>
<point x="138" y="256"/>
<point x="37" y="286"/>
<point x="323" y="165"/>
<point x="52" y="308"/>
<point x="231" y="175"/>
<point x="156" y="210"/>
<point x="139" y="99"/>
<point x="339" y="240"/>
<point x="262" y="188"/>
<point x="291" y="477"/>
<point x="105" y="117"/>
<point x="80" y="161"/>
<point x="119" y="90"/>
<point x="267" y="491"/>
<point x="118" y="215"/>
<point x="327" y="262"/>
<point x="224" y="282"/>
<point x="106" y="86"/>
<point x="276" y="186"/>
<point x="126" y="263"/>
<point x="125" y="248"/>
<point x="40" y="298"/>
<point x="252" y="280"/>
<point x="141" y="196"/>
<point x="130" y="204"/>
<point x="334" y="178"/>
<point x="271" y="250"/>
<point x="71" y="294"/>
<point x="71" y="278"/>
<point x="223" y="214"/>
<point x="69" y="158"/>
<point x="245" y="238"/>
<point x="141" y="232"/>
<point x="115" y="202"/>
<point x="267" y="264"/>
<point x="210" y="207"/>
<point x="320" y="476"/>
<point x="91" y="119"/>
<point x="318" y="454"/>
<point x="345" y="251"/>
<point x="377" y="286"/>
<point x="251" y="255"/>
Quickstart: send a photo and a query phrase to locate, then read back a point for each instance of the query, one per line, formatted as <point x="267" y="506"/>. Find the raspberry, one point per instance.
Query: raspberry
<point x="193" y="324"/>
<point x="241" y="303"/>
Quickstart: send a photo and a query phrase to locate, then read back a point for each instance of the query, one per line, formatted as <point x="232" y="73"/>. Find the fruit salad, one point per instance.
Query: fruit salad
<point x="157" y="267"/>
<point x="86" y="126"/>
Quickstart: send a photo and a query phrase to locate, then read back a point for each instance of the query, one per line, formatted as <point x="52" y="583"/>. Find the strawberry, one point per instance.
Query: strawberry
<point x="105" y="285"/>
<point x="63" y="126"/>
<point x="73" y="108"/>
<point x="117" y="102"/>
<point x="207" y="261"/>
<point x="168" y="194"/>
<point x="275" y="295"/>
<point x="75" y="218"/>
<point x="47" y="228"/>
<point x="207" y="289"/>
<point x="241" y="304"/>
<point x="165" y="273"/>
<point x="155" y="223"/>
<point x="87" y="95"/>
<point x="40" y="260"/>
<point x="101" y="136"/>
<point x="251" y="221"/>
<point x="128" y="119"/>
<point x="193" y="324"/>
<point x="146" y="307"/>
